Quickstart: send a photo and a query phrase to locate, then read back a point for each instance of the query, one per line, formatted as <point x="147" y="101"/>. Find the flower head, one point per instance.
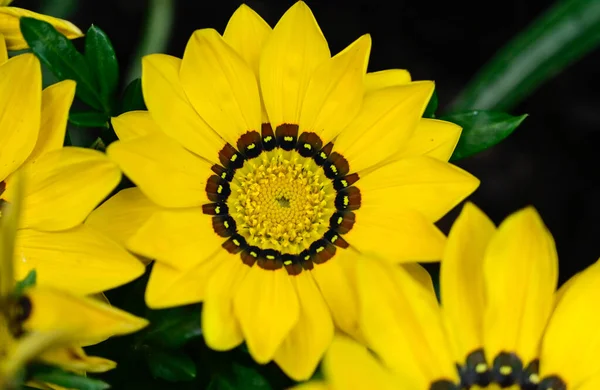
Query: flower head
<point x="48" y="325"/>
<point x="11" y="31"/>
<point x="500" y="324"/>
<point x="265" y="167"/>
<point x="58" y="194"/>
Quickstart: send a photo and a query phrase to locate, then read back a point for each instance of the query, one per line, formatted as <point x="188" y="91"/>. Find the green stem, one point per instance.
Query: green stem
<point x="156" y="34"/>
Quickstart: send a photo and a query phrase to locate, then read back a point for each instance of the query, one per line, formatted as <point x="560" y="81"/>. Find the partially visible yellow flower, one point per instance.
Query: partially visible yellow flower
<point x="266" y="167"/>
<point x="45" y="324"/>
<point x="64" y="185"/>
<point x="9" y="25"/>
<point x="501" y="323"/>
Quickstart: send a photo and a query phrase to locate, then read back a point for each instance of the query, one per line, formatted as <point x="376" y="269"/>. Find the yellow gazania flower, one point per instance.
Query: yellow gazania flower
<point x="9" y="25"/>
<point x="60" y="192"/>
<point x="265" y="167"/>
<point x="501" y="322"/>
<point x="49" y="325"/>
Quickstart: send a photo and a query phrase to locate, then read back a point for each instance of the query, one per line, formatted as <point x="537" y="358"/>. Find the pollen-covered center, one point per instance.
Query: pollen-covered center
<point x="281" y="200"/>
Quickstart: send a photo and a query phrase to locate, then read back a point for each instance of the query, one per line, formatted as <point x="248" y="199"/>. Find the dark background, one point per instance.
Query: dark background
<point x="549" y="162"/>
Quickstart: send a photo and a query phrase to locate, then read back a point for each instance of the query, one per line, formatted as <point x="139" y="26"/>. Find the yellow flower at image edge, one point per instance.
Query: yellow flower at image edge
<point x="9" y="25"/>
<point x="500" y="321"/>
<point x="47" y="325"/>
<point x="63" y="185"/>
<point x="265" y="167"/>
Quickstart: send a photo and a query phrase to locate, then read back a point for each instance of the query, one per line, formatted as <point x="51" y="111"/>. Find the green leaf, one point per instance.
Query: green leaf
<point x="174" y="327"/>
<point x="89" y="119"/>
<point x="566" y="32"/>
<point x="60" y="56"/>
<point x="170" y="365"/>
<point x="431" y="106"/>
<point x="133" y="99"/>
<point x="481" y="130"/>
<point x="66" y="379"/>
<point x="28" y="281"/>
<point x="101" y="57"/>
<point x="240" y="377"/>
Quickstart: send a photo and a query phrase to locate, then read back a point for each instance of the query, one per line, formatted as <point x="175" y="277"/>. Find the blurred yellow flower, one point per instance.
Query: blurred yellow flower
<point x="9" y="25"/>
<point x="265" y="168"/>
<point x="500" y="322"/>
<point x="59" y="193"/>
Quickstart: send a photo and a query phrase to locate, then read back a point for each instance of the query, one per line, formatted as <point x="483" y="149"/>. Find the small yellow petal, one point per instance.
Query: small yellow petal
<point x="433" y="138"/>
<point x="520" y="270"/>
<point x="386" y="78"/>
<point x="220" y="85"/>
<point x="302" y="350"/>
<point x="163" y="170"/>
<point x="75" y="359"/>
<point x="267" y="307"/>
<point x="94" y="262"/>
<point x="134" y="124"/>
<point x="3" y="50"/>
<point x="9" y="26"/>
<point x="335" y="92"/>
<point x="288" y="61"/>
<point x="20" y="108"/>
<point x="121" y="216"/>
<point x="385" y="124"/>
<point x="59" y="193"/>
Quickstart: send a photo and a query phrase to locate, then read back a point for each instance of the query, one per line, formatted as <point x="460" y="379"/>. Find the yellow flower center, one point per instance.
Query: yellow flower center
<point x="281" y="200"/>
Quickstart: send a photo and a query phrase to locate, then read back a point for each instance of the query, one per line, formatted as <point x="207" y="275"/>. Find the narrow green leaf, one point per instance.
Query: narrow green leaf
<point x="101" y="57"/>
<point x="431" y="106"/>
<point x="240" y="377"/>
<point x="28" y="281"/>
<point x="65" y="379"/>
<point x="481" y="130"/>
<point x="60" y="56"/>
<point x="566" y="32"/>
<point x="89" y="119"/>
<point x="133" y="99"/>
<point x="174" y="327"/>
<point x="170" y="365"/>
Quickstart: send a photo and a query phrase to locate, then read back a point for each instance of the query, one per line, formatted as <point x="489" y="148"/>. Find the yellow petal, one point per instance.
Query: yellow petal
<point x="169" y="287"/>
<point x="3" y="50"/>
<point x="180" y="238"/>
<point x="386" y="78"/>
<point x="10" y="215"/>
<point x="423" y="184"/>
<point x="85" y="319"/>
<point x="220" y="85"/>
<point x="288" y="61"/>
<point x="20" y="107"/>
<point x="302" y="350"/>
<point x="402" y="323"/>
<point x="420" y="275"/>
<point x="461" y="279"/>
<point x="78" y="260"/>
<point x="349" y="366"/>
<point x="384" y="125"/>
<point x="335" y="92"/>
<point x="59" y="193"/>
<point x="433" y="138"/>
<point x="312" y="385"/>
<point x="9" y="26"/>
<point x="220" y="327"/>
<point x="56" y="102"/>
<point x="520" y="276"/>
<point x="75" y="359"/>
<point x="122" y="215"/>
<point x="134" y="124"/>
<point x="171" y="109"/>
<point x="267" y="307"/>
<point x="246" y="33"/>
<point x="165" y="172"/>
<point x="338" y="290"/>
<point x="396" y="234"/>
<point x="571" y="342"/>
